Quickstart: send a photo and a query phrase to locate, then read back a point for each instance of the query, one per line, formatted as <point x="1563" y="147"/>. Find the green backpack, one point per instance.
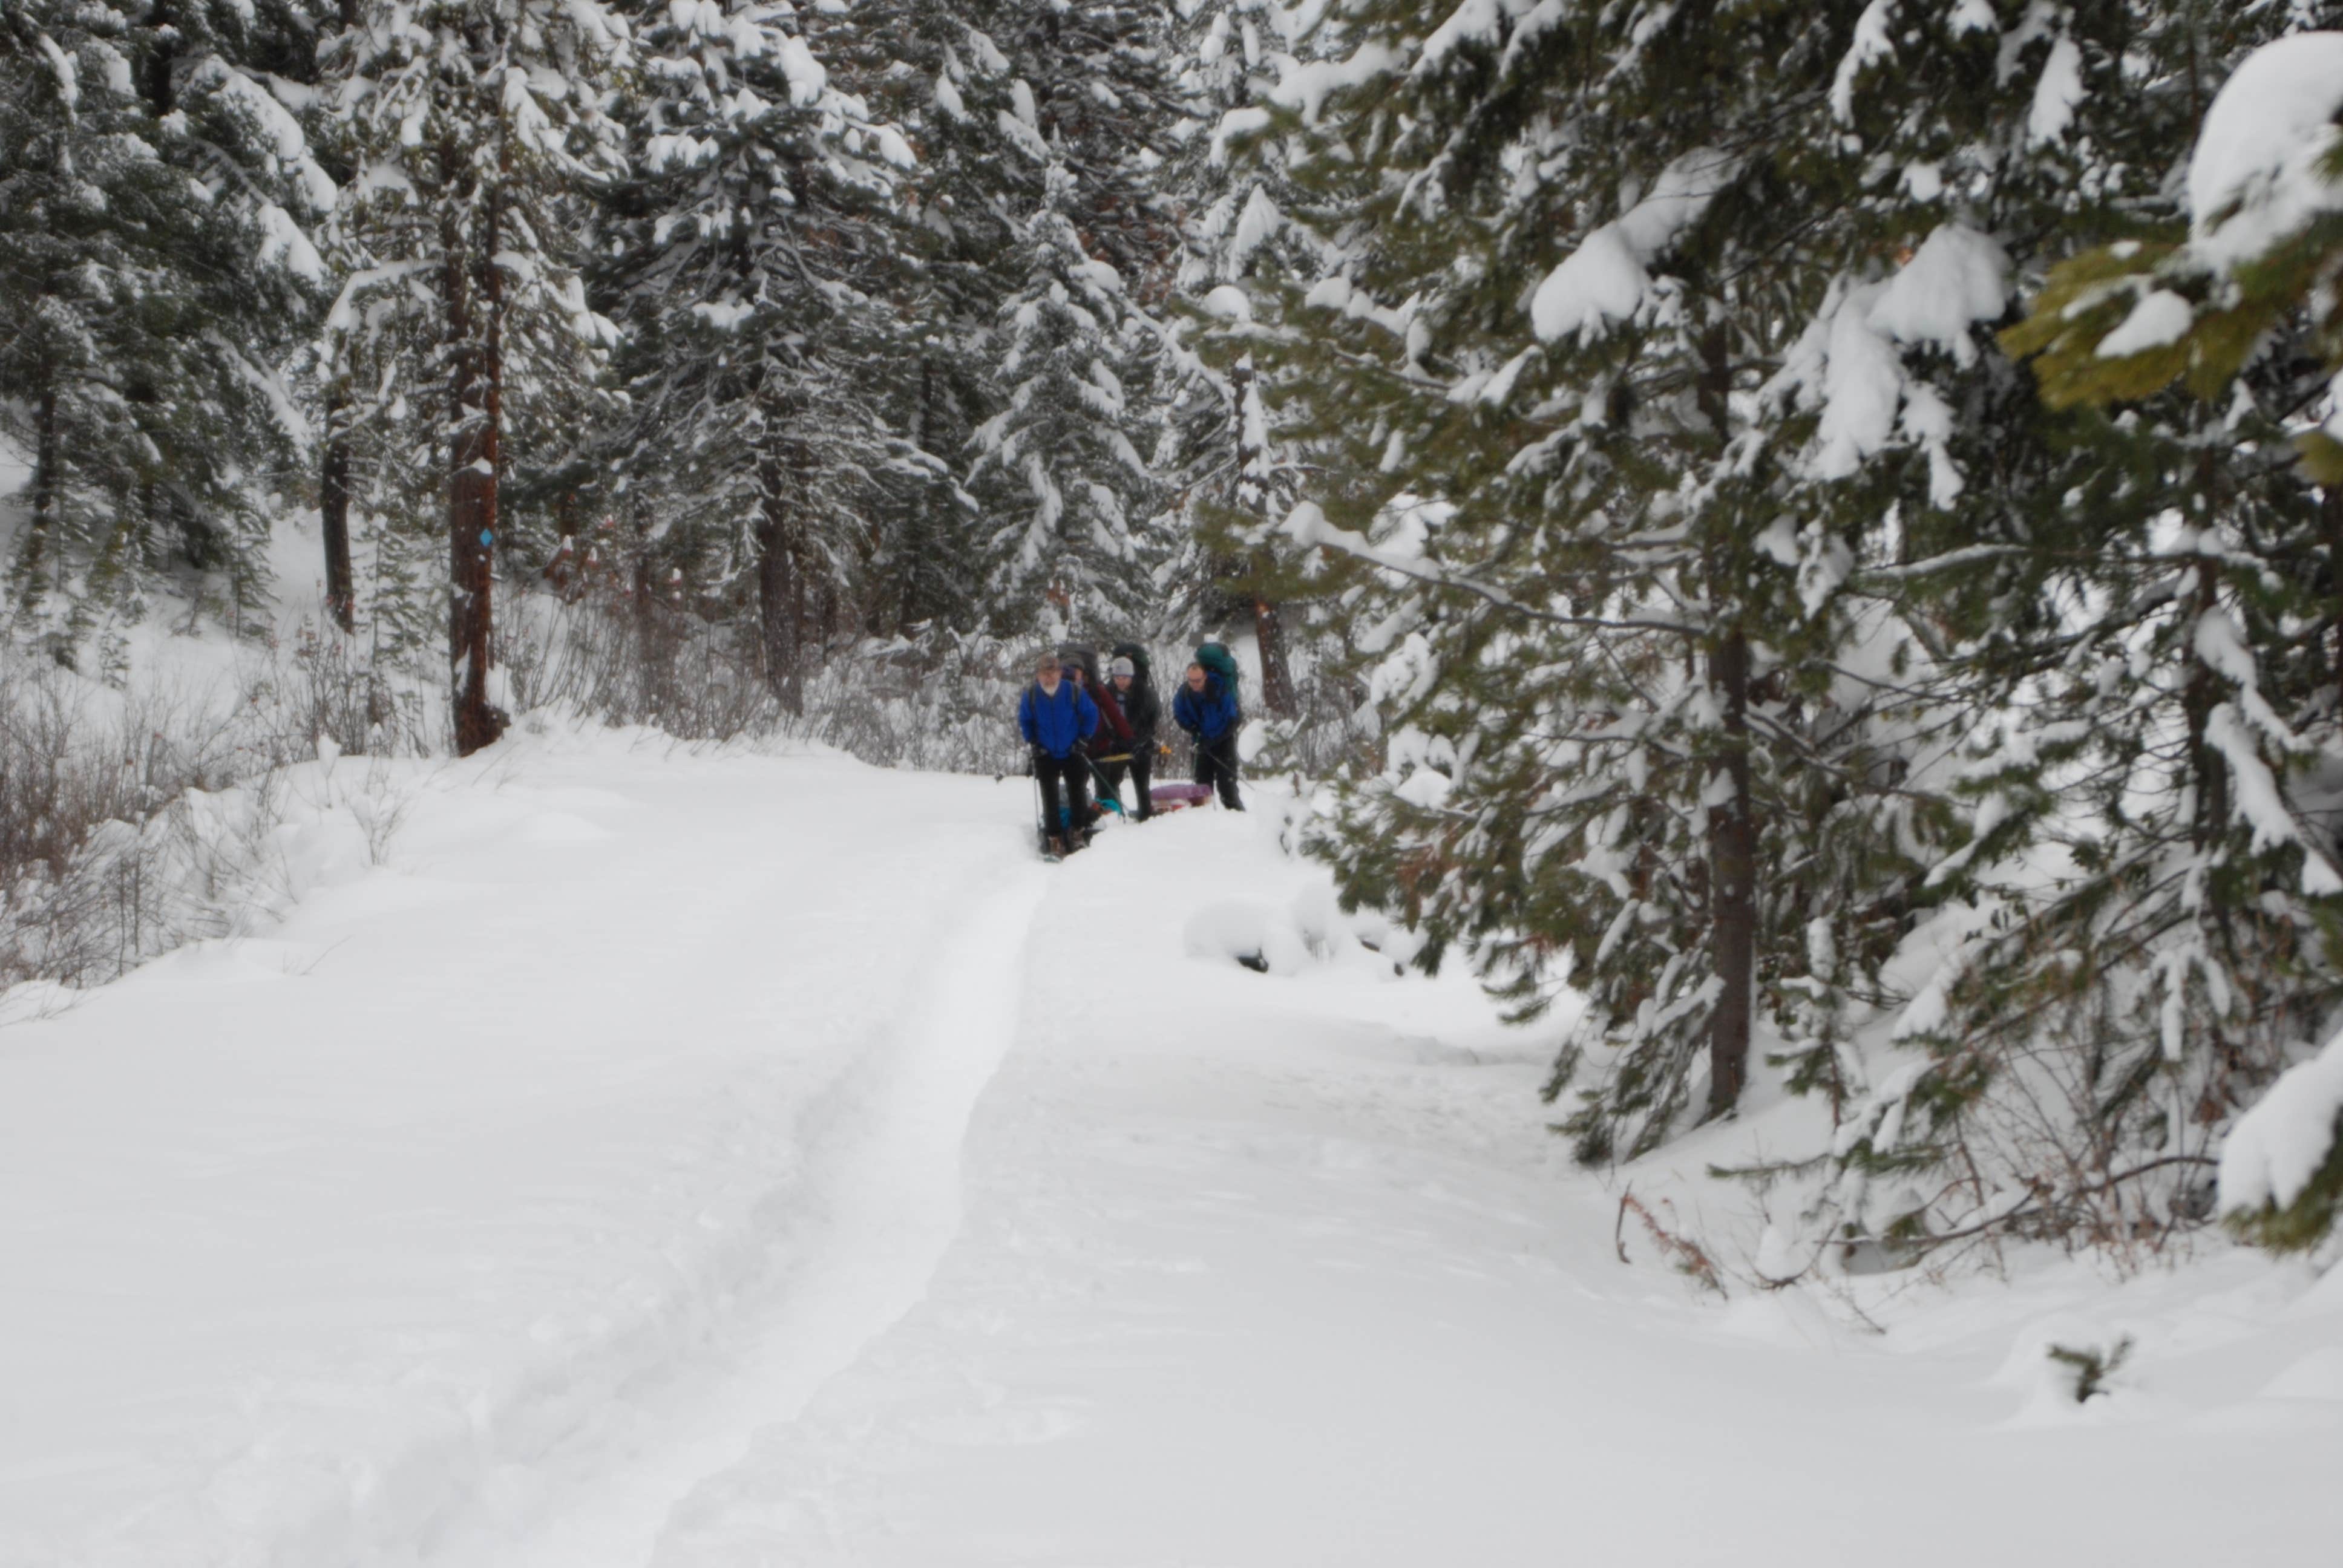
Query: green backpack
<point x="1216" y="658"/>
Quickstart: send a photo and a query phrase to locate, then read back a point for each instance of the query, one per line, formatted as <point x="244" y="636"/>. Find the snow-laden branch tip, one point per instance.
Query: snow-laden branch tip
<point x="1306" y="525"/>
<point x="1607" y="277"/>
<point x="2279" y="1145"/>
<point x="2257" y="174"/>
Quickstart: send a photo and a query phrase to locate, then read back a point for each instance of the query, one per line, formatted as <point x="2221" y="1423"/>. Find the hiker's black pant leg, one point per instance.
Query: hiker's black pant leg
<point x="1142" y="766"/>
<point x="1062" y="789"/>
<point x="1216" y="764"/>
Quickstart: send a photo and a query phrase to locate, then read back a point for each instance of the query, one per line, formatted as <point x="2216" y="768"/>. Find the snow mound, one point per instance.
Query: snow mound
<point x="1257" y="936"/>
<point x="1309" y="932"/>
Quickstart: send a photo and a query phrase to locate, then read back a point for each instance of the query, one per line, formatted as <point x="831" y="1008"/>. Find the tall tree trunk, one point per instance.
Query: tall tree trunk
<point x="1731" y="823"/>
<point x="2202" y="693"/>
<point x="1732" y="882"/>
<point x="1276" y="679"/>
<point x="1253" y="494"/>
<point x="162" y="63"/>
<point x="472" y="488"/>
<point x="915" y="560"/>
<point x="48" y="496"/>
<point x="334" y="511"/>
<point x="2331" y="509"/>
<point x="781" y="592"/>
<point x="566" y="571"/>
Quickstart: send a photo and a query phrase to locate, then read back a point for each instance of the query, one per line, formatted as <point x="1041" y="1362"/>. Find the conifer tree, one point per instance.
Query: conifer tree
<point x="754" y="258"/>
<point x="2195" y="703"/>
<point x="1240" y="250"/>
<point x="1611" y="650"/>
<point x="159" y="271"/>
<point x="474" y="125"/>
<point x="1073" y="486"/>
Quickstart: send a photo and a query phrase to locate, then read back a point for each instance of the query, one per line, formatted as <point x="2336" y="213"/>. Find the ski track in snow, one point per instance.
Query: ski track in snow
<point x="882" y="1202"/>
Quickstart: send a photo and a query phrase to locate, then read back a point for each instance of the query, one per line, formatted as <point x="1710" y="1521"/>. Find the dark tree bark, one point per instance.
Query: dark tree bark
<point x="333" y="511"/>
<point x="1276" y="679"/>
<point x="1732" y="825"/>
<point x="161" y="65"/>
<point x="1732" y="883"/>
<point x="566" y="570"/>
<point x="472" y="325"/>
<point x="2330" y="510"/>
<point x="47" y="497"/>
<point x="1268" y="626"/>
<point x="780" y="589"/>
<point x="2203" y="691"/>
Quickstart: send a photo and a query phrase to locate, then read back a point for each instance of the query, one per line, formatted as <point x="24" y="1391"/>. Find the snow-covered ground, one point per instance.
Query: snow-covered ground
<point x="689" y="1158"/>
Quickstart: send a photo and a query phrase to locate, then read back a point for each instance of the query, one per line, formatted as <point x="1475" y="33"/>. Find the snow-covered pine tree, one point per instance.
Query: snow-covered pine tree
<point x="158" y="273"/>
<point x="1748" y="515"/>
<point x="1088" y="83"/>
<point x="757" y="258"/>
<point x="1062" y="462"/>
<point x="1243" y="265"/>
<point x="1583" y="241"/>
<point x="473" y="126"/>
<point x="1074" y="248"/>
<point x="2195" y="715"/>
<point x="951" y="90"/>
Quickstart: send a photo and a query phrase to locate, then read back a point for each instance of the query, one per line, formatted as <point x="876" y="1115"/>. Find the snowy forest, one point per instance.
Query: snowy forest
<point x="1796" y="545"/>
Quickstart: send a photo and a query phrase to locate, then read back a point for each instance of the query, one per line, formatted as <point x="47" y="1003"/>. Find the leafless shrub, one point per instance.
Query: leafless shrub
<point x="134" y="820"/>
<point x="636" y="663"/>
<point x="944" y="700"/>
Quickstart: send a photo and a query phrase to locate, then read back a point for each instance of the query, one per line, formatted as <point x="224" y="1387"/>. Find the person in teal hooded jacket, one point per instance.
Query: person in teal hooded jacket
<point x="1207" y="710"/>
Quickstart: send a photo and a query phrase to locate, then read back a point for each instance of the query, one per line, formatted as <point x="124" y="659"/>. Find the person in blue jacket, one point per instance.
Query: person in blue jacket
<point x="1207" y="710"/>
<point x="1056" y="716"/>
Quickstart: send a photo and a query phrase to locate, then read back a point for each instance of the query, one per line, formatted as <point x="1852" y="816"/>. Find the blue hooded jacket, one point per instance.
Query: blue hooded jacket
<point x="1057" y="724"/>
<point x="1211" y="713"/>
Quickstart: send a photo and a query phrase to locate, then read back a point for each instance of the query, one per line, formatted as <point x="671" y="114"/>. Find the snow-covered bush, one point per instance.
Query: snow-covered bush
<point x="133" y="820"/>
<point x="941" y="699"/>
<point x="634" y="660"/>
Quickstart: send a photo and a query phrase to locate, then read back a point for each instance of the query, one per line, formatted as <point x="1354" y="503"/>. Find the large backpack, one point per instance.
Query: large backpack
<point x="1216" y="658"/>
<point x="1139" y="661"/>
<point x="1083" y="655"/>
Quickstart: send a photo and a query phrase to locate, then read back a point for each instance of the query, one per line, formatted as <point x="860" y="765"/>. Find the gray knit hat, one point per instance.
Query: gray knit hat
<point x="1121" y="667"/>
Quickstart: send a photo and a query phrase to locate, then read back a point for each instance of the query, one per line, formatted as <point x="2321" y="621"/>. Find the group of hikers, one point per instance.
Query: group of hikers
<point x="1079" y="727"/>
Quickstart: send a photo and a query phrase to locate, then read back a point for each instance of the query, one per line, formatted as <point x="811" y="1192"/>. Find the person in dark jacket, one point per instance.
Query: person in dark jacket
<point x="1135" y="696"/>
<point x="1207" y="710"/>
<point x="1112" y="740"/>
<point x="1056" y="716"/>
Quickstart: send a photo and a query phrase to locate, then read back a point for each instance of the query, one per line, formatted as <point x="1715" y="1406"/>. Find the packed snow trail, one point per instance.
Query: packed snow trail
<point x="1267" y="1270"/>
<point x="632" y="1086"/>
<point x="705" y="1162"/>
<point x="886" y="1138"/>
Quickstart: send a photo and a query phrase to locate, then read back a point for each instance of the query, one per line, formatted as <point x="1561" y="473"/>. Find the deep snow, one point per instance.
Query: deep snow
<point x="711" y="1159"/>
